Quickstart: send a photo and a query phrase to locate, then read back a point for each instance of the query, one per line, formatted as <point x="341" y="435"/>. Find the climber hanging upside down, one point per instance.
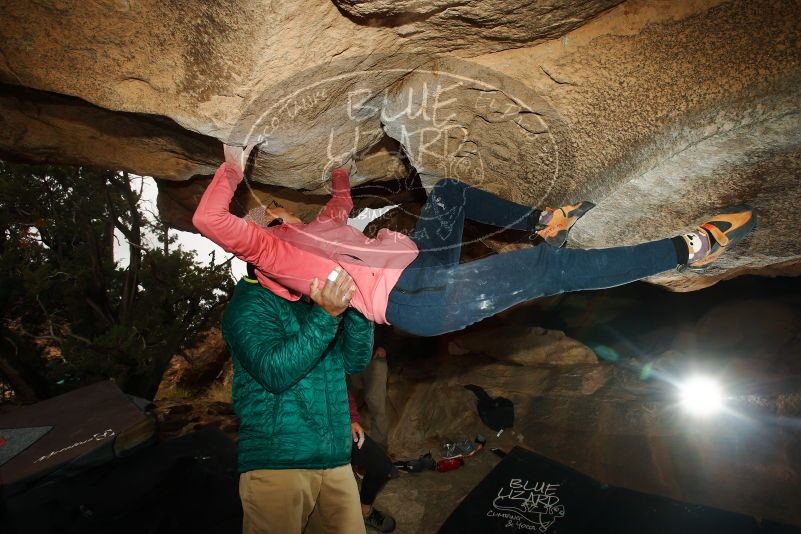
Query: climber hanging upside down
<point x="416" y="282"/>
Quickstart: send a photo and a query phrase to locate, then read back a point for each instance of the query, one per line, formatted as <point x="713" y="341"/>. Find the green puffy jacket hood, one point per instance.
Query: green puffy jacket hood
<point x="290" y="361"/>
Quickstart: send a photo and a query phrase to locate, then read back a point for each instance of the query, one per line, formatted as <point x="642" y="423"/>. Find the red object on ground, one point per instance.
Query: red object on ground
<point x="449" y="464"/>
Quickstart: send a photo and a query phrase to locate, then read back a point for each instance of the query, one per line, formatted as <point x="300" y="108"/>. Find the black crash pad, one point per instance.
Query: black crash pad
<point x="64" y="435"/>
<point x="187" y="484"/>
<point x="527" y="492"/>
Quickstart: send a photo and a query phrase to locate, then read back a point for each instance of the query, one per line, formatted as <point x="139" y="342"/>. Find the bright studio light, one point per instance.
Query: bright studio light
<point x="701" y="396"/>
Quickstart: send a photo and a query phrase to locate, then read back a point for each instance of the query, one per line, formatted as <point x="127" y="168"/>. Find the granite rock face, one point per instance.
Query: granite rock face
<point x="525" y="346"/>
<point x="469" y="28"/>
<point x="659" y="112"/>
<point x="41" y="127"/>
<point x="194" y="369"/>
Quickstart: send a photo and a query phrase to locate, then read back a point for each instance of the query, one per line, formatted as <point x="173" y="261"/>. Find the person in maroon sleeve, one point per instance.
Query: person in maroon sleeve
<point x="373" y="381"/>
<point x="368" y="458"/>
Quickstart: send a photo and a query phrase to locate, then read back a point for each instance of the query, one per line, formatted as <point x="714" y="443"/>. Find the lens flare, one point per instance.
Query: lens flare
<point x="701" y="396"/>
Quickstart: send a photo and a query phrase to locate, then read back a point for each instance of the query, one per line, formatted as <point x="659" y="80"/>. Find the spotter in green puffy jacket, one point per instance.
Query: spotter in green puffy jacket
<point x="290" y="361"/>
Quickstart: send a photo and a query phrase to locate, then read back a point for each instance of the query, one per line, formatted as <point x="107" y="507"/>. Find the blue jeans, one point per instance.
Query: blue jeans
<point x="436" y="294"/>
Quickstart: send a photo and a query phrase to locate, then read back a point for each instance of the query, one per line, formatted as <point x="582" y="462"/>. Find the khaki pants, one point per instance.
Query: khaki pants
<point x="291" y="501"/>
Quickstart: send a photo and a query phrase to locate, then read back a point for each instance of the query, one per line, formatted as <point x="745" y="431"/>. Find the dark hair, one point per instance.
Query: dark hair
<point x="251" y="271"/>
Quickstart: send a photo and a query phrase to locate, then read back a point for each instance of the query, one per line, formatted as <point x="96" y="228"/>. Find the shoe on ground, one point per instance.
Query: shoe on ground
<point x="450" y="450"/>
<point x="379" y="521"/>
<point x="561" y="220"/>
<point x="423" y="463"/>
<point x="724" y="231"/>
<point x="465" y="447"/>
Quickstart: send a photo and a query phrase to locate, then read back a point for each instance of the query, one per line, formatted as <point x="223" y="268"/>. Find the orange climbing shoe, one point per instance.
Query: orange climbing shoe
<point x="718" y="235"/>
<point x="559" y="221"/>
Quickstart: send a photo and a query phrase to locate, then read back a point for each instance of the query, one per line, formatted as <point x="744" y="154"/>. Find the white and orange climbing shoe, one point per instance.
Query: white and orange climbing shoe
<point x="707" y="242"/>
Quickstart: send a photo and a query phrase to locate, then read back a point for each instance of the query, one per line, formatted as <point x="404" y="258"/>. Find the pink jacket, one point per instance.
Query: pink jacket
<point x="289" y="256"/>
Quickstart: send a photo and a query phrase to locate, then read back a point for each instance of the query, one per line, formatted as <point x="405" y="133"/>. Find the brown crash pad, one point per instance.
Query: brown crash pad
<point x="68" y="433"/>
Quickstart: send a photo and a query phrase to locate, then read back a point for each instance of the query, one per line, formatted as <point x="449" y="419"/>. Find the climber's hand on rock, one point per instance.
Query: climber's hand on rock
<point x="237" y="155"/>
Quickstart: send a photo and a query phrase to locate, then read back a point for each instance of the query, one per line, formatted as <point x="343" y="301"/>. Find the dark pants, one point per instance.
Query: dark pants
<point x="436" y="294"/>
<point x="376" y="466"/>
